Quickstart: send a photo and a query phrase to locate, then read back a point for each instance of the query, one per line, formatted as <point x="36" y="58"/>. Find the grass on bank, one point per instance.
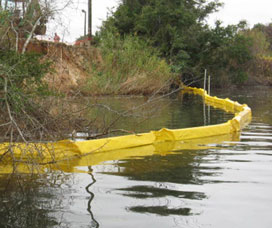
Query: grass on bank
<point x="128" y="66"/>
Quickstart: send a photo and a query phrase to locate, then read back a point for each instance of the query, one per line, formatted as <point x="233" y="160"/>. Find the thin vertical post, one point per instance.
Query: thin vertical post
<point x="209" y="85"/>
<point x="205" y="79"/>
<point x="85" y="21"/>
<point x="23" y="5"/>
<point x="204" y="113"/>
<point x="209" y="114"/>
<point x="90" y="19"/>
<point x="209" y="107"/>
<point x="204" y="106"/>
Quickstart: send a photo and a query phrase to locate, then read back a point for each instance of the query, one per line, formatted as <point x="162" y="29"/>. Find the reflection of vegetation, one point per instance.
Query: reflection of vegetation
<point x="130" y="114"/>
<point x="143" y="192"/>
<point x="174" y="168"/>
<point x="29" y="200"/>
<point x="94" y="223"/>
<point x="181" y="169"/>
<point x="180" y="111"/>
<point x="39" y="200"/>
<point x="259" y="100"/>
<point x="161" y="179"/>
<point x="163" y="211"/>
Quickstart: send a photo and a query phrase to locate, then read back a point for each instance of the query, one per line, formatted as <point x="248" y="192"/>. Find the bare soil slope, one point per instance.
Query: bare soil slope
<point x="71" y="64"/>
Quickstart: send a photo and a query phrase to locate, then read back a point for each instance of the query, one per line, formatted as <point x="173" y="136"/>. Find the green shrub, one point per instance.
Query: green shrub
<point x="22" y="76"/>
<point x="129" y="65"/>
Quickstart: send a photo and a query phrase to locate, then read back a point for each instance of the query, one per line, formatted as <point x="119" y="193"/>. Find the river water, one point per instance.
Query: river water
<point x="223" y="182"/>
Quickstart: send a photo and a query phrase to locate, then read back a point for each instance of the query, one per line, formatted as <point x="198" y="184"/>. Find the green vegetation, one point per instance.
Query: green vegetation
<point x="129" y="66"/>
<point x="261" y="49"/>
<point x="174" y="27"/>
<point x="143" y="48"/>
<point x="178" y="30"/>
<point x="20" y="88"/>
<point x="23" y="71"/>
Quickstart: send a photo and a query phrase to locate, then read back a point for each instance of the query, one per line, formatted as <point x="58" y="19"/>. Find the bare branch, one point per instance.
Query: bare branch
<point x="31" y="34"/>
<point x="8" y="109"/>
<point x="17" y="36"/>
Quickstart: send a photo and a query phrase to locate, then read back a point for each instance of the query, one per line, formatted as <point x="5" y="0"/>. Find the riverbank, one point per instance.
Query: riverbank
<point x="119" y="68"/>
<point x="131" y="68"/>
<point x="116" y="67"/>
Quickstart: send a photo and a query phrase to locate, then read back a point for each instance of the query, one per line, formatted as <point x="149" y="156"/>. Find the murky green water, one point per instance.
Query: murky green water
<point x="228" y="184"/>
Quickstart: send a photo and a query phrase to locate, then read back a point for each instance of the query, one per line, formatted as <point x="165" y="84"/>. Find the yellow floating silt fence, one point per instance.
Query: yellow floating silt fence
<point x="62" y="150"/>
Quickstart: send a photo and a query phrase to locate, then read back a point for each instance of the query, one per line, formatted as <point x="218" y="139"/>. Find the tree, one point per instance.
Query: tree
<point x="19" y="23"/>
<point x="168" y="25"/>
<point x="178" y="29"/>
<point x="227" y="53"/>
<point x="266" y="30"/>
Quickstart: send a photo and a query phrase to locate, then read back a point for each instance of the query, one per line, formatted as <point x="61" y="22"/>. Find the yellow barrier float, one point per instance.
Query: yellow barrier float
<point x="73" y="165"/>
<point x="58" y="151"/>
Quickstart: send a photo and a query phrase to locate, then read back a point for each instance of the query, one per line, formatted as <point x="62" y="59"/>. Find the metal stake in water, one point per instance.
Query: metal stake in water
<point x="209" y="85"/>
<point x="205" y="79"/>
<point x="204" y="106"/>
<point x="209" y="107"/>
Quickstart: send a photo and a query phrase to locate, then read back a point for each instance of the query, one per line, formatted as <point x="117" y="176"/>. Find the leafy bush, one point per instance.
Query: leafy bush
<point x="260" y="69"/>
<point x="129" y="65"/>
<point x="24" y="70"/>
<point x="20" y="85"/>
<point x="178" y="30"/>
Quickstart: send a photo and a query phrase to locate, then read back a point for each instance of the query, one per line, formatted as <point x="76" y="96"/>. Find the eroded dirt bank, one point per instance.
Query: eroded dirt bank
<point x="77" y="69"/>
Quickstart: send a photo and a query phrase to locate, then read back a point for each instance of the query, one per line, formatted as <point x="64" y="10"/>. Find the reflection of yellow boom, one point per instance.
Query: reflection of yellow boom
<point x="63" y="150"/>
<point x="163" y="148"/>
